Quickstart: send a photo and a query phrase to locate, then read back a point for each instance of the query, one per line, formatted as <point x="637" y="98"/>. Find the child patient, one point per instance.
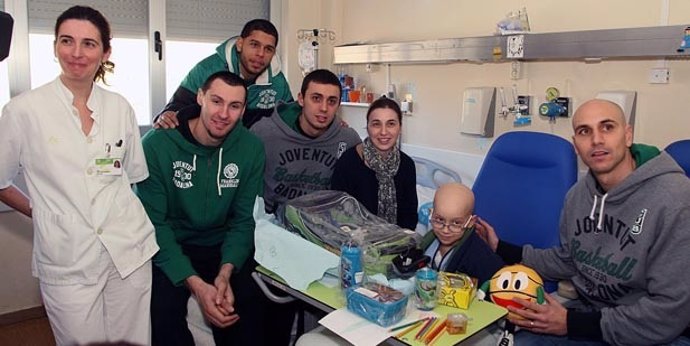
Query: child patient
<point x="453" y="245"/>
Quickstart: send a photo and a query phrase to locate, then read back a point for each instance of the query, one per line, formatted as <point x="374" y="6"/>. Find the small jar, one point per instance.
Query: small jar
<point x="425" y="288"/>
<point x="370" y="97"/>
<point x="354" y="95"/>
<point x="456" y="323"/>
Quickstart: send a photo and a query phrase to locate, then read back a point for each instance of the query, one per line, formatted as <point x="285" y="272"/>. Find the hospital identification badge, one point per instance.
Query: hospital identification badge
<point x="109" y="166"/>
<point x="111" y="162"/>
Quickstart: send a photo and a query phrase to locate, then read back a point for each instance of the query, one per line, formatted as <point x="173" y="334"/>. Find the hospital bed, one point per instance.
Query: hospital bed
<point x="430" y="175"/>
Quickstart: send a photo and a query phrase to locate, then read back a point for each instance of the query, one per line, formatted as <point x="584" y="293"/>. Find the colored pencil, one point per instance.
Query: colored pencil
<point x="435" y="332"/>
<point x="409" y="329"/>
<point x="438" y="336"/>
<point x="408" y="324"/>
<point x="426" y="328"/>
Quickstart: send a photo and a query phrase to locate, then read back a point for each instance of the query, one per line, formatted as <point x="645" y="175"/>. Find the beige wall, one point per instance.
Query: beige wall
<point x="307" y="14"/>
<point x="19" y="290"/>
<point x="662" y="110"/>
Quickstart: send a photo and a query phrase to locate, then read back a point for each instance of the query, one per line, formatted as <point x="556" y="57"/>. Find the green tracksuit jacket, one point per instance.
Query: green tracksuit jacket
<point x="203" y="196"/>
<point x="263" y="94"/>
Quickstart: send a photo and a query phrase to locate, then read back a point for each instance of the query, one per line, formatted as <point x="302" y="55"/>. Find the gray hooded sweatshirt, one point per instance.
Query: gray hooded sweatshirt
<point x="296" y="164"/>
<point x="627" y="253"/>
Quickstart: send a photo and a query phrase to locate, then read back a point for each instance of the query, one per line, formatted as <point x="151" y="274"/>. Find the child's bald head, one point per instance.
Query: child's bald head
<point x="455" y="198"/>
<point x="452" y="213"/>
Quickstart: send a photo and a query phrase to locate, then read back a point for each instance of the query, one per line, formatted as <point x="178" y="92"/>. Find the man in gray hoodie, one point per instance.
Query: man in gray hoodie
<point x="303" y="141"/>
<point x="625" y="240"/>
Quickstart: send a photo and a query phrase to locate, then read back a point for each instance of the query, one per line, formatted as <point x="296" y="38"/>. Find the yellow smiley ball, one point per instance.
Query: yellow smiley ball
<point x="516" y="281"/>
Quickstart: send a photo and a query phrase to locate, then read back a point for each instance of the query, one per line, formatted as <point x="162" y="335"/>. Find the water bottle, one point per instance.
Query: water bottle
<point x="350" y="265"/>
<point x="345" y="95"/>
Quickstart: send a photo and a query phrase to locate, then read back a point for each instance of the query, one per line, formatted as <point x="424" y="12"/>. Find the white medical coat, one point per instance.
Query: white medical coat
<point x="74" y="209"/>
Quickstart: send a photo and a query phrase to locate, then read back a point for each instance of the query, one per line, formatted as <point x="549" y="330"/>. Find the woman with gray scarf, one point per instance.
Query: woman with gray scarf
<point x="376" y="172"/>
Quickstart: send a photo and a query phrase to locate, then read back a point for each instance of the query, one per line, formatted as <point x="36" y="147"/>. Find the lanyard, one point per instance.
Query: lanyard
<point x="443" y="259"/>
<point x="455" y="247"/>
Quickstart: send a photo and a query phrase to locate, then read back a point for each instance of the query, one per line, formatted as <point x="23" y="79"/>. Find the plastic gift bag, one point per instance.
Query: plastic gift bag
<point x="331" y="219"/>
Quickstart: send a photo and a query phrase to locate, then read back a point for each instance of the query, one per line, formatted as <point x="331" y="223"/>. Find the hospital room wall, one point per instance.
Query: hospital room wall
<point x="662" y="113"/>
<point x="662" y="109"/>
<point x="18" y="289"/>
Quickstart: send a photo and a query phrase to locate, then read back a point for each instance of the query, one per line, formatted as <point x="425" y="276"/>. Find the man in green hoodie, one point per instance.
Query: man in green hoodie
<point x="204" y="178"/>
<point x="253" y="57"/>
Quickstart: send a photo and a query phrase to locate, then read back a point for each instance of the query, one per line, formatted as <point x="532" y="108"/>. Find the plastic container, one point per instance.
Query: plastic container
<point x="354" y="95"/>
<point x="456" y="323"/>
<point x="377" y="303"/>
<point x="456" y="290"/>
<point x="425" y="289"/>
<point x="370" y="97"/>
<point x="345" y="95"/>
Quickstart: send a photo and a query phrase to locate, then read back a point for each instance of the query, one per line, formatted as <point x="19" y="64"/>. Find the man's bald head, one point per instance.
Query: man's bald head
<point x="602" y="139"/>
<point x="599" y="106"/>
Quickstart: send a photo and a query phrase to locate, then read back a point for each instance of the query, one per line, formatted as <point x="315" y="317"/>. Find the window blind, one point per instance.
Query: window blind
<point x="127" y="18"/>
<point x="213" y="21"/>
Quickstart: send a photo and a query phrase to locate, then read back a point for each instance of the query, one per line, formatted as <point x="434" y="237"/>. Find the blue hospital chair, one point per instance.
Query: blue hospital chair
<point x="521" y="187"/>
<point x="680" y="151"/>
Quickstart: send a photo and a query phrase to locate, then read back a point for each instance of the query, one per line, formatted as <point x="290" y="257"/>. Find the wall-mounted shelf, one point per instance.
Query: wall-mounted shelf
<point x="647" y="42"/>
<point x="355" y="104"/>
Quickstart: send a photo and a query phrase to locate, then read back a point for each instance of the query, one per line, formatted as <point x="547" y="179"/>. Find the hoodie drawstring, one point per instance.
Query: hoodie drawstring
<point x="194" y="163"/>
<point x="601" y="211"/>
<point x="594" y="207"/>
<point x="220" y="164"/>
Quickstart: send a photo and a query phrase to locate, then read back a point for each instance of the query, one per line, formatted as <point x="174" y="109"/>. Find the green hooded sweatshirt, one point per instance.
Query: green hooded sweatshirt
<point x="202" y="196"/>
<point x="263" y="93"/>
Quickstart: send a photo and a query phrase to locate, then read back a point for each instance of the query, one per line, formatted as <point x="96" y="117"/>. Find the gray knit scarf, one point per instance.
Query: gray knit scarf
<point x="385" y="169"/>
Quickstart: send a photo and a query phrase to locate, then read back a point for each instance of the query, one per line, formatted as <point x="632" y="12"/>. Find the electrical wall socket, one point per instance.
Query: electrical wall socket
<point x="515" y="70"/>
<point x="406" y="107"/>
<point x="659" y="75"/>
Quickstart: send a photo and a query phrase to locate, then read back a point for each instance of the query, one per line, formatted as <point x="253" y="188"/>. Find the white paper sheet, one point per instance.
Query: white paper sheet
<point x="354" y="329"/>
<point x="298" y="261"/>
<point x="361" y="332"/>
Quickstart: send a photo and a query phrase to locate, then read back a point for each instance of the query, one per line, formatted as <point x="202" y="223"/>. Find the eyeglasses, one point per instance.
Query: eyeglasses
<point x="455" y="226"/>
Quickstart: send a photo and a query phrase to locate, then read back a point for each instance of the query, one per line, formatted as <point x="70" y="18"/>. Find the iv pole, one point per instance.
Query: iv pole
<point x="315" y="36"/>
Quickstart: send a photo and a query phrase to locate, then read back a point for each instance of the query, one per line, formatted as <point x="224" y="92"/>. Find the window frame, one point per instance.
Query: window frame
<point x="18" y="63"/>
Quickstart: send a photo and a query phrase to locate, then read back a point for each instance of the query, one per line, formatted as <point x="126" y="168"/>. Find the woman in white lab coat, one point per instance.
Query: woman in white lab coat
<point x="92" y="239"/>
